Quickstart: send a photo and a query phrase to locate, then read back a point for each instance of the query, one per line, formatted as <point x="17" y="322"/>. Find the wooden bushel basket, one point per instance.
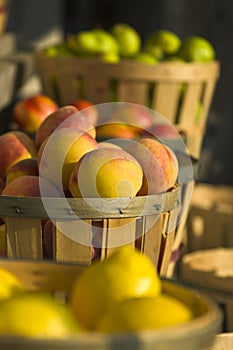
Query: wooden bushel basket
<point x="211" y="271"/>
<point x="180" y="92"/>
<point x="147" y="223"/>
<point x="197" y="334"/>
<point x="210" y="218"/>
<point x="153" y="224"/>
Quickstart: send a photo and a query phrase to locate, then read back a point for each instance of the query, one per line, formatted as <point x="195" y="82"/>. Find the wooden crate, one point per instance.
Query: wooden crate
<point x="58" y="277"/>
<point x="180" y="92"/>
<point x="211" y="271"/>
<point x="210" y="218"/>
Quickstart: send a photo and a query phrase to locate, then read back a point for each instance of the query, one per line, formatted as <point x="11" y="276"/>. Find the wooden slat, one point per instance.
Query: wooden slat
<point x="73" y="241"/>
<point x="190" y="101"/>
<point x="119" y="232"/>
<point x="133" y="92"/>
<point x="166" y="99"/>
<point x="152" y="237"/>
<point x="24" y="238"/>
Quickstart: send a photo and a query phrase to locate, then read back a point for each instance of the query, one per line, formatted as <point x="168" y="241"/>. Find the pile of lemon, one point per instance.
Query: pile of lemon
<point x="123" y="41"/>
<point x="123" y="293"/>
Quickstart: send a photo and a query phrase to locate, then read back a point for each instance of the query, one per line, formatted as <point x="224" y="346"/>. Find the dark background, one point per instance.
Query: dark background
<point x="212" y="19"/>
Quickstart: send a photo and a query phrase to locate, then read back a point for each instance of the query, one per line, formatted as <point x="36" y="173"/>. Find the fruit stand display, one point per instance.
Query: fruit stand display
<point x="176" y="78"/>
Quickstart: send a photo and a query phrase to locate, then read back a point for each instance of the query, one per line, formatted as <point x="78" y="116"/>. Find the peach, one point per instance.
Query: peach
<point x="59" y="152"/>
<point x="115" y="130"/>
<point x="159" y="164"/>
<point x="64" y="117"/>
<point x="30" y="186"/>
<point x="134" y="114"/>
<point x="162" y="131"/>
<point x="28" y="166"/>
<point x="30" y="112"/>
<point x="88" y="109"/>
<point x="107" y="173"/>
<point x="15" y="146"/>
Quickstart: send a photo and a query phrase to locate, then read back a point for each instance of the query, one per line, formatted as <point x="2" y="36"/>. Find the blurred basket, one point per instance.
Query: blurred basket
<point x="211" y="271"/>
<point x="58" y="277"/>
<point x="210" y="218"/>
<point x="180" y="92"/>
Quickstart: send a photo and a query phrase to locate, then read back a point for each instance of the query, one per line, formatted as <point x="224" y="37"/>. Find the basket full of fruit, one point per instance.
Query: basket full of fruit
<point x="85" y="183"/>
<point x="174" y="76"/>
<point x="47" y="305"/>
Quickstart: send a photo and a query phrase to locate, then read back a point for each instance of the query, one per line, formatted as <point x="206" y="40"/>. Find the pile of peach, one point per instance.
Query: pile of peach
<point x="73" y="154"/>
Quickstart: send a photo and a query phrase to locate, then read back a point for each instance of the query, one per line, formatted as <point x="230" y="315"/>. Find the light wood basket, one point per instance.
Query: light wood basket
<point x="145" y="222"/>
<point x="153" y="224"/>
<point x="173" y="89"/>
<point x="210" y="218"/>
<point x="211" y="271"/>
<point x="58" y="278"/>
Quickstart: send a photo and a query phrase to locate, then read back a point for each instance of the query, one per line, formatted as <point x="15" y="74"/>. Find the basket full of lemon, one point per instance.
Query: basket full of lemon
<point x="120" y="303"/>
<point x="174" y="76"/>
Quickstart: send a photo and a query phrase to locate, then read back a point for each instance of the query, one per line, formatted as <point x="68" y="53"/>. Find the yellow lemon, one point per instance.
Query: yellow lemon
<point x="145" y="313"/>
<point x="10" y="285"/>
<point x="125" y="274"/>
<point x="36" y="315"/>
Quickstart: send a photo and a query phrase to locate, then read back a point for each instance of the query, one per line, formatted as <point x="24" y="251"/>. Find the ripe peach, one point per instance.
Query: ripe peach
<point x="107" y="173"/>
<point x="59" y="152"/>
<point x="88" y="109"/>
<point x="162" y="131"/>
<point x="15" y="146"/>
<point x="64" y="117"/>
<point x="115" y="130"/>
<point x="28" y="166"/>
<point x="133" y="114"/>
<point x="30" y="112"/>
<point x="159" y="164"/>
<point x="29" y="186"/>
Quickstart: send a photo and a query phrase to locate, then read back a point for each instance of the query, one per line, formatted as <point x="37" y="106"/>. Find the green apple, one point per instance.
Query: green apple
<point x="128" y="39"/>
<point x="167" y="41"/>
<point x="146" y="57"/>
<point x="196" y="49"/>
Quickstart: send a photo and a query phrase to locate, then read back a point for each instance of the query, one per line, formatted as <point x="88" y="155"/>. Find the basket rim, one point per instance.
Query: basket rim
<point x="177" y="71"/>
<point x="89" y="208"/>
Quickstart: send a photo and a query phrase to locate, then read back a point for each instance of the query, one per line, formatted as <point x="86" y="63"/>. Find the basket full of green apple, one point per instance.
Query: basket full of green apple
<point x="175" y="77"/>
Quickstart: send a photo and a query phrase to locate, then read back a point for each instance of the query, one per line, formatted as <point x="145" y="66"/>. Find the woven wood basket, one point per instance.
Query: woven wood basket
<point x="153" y="224"/>
<point x="197" y="334"/>
<point x="180" y="92"/>
<point x="145" y="222"/>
